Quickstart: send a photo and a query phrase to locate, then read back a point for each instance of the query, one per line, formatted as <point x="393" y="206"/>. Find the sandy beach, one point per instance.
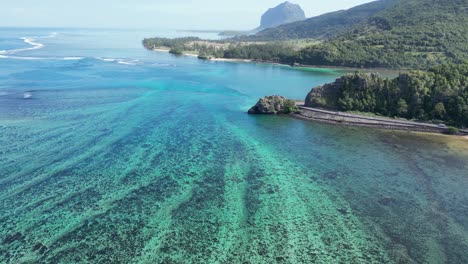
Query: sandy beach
<point x="196" y="55"/>
<point x="230" y="60"/>
<point x="162" y="49"/>
<point x="167" y="50"/>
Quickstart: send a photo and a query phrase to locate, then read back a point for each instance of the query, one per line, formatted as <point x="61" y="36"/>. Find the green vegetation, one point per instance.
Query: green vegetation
<point x="416" y="34"/>
<point x="274" y="104"/>
<point x="408" y="34"/>
<point x="438" y="95"/>
<point x="290" y="106"/>
<point x="176" y="51"/>
<point x="153" y="43"/>
<point x="453" y="131"/>
<point x="269" y="52"/>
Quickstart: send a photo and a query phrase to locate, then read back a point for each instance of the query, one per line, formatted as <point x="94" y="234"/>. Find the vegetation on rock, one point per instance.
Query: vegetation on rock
<point x="273" y="105"/>
<point x="439" y="95"/>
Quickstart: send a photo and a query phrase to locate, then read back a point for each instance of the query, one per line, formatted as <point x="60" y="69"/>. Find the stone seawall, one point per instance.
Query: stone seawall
<point x="365" y="121"/>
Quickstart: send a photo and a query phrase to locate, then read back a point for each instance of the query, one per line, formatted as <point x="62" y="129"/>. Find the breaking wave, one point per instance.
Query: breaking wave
<point x="30" y="41"/>
<point x="119" y="61"/>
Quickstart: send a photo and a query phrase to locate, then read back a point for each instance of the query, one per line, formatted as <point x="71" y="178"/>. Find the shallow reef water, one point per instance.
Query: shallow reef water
<point x="155" y="161"/>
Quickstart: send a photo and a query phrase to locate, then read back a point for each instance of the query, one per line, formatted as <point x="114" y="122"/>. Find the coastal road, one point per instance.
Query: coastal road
<point x="380" y="122"/>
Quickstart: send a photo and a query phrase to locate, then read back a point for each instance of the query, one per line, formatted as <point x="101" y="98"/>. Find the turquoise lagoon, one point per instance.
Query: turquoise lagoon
<point x="122" y="155"/>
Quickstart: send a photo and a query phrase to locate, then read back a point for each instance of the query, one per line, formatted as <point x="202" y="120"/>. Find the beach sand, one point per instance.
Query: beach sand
<point x="196" y="55"/>
<point x="167" y="50"/>
<point x="161" y="50"/>
<point x="230" y="60"/>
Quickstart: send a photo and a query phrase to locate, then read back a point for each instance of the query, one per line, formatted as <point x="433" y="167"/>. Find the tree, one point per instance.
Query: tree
<point x="439" y="110"/>
<point x="402" y="108"/>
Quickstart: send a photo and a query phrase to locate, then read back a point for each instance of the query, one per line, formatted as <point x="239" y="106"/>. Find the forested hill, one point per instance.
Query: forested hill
<point x="438" y="95"/>
<point x="407" y="34"/>
<point x="397" y="34"/>
<point x="323" y="26"/>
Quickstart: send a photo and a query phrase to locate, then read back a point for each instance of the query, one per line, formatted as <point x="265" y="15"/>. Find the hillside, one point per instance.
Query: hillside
<point x="323" y="26"/>
<point x="439" y="95"/>
<point x="404" y="34"/>
<point x="408" y="34"/>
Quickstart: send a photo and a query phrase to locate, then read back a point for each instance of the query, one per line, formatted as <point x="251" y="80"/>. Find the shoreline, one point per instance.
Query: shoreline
<point x="383" y="70"/>
<point x="167" y="51"/>
<point x="215" y="59"/>
<point x="230" y="60"/>
<point x="383" y="128"/>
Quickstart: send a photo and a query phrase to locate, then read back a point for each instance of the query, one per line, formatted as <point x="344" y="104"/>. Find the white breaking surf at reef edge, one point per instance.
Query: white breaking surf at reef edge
<point x="35" y="45"/>
<point x="32" y="42"/>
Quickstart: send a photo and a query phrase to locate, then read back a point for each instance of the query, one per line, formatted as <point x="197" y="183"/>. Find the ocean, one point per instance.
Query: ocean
<point x="110" y="153"/>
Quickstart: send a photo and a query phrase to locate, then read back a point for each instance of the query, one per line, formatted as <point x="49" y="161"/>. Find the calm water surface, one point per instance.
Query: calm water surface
<point x="122" y="155"/>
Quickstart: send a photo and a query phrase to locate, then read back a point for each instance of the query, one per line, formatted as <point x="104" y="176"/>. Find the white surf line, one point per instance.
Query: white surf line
<point x="20" y="58"/>
<point x="128" y="62"/>
<point x="40" y="58"/>
<point x="35" y="45"/>
<point x="119" y="60"/>
<point x="106" y="59"/>
<point x="5" y="54"/>
<point x="72" y="58"/>
<point x="31" y="41"/>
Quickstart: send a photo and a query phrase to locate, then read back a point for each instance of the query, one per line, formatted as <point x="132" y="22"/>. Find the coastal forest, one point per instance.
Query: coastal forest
<point x="439" y="94"/>
<point x="396" y="34"/>
<point x="426" y="38"/>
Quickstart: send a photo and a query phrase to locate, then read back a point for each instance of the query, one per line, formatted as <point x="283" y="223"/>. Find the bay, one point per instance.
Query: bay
<point x="110" y="153"/>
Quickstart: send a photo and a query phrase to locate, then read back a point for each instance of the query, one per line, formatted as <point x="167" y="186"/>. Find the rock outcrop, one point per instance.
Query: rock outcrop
<point x="324" y="26"/>
<point x="274" y="105"/>
<point x="281" y="14"/>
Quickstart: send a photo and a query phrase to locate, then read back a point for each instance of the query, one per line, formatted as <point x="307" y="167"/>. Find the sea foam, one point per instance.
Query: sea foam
<point x="72" y="58"/>
<point x="32" y="42"/>
<point x="106" y="59"/>
<point x="119" y="61"/>
<point x="128" y="62"/>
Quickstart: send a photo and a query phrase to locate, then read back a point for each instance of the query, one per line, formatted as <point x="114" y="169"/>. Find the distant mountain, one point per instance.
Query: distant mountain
<point x="323" y="26"/>
<point x="281" y="14"/>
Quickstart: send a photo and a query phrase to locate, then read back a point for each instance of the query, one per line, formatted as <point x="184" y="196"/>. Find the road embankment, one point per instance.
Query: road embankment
<point x="342" y="118"/>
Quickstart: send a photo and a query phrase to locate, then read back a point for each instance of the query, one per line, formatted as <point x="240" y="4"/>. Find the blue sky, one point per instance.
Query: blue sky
<point x="161" y="14"/>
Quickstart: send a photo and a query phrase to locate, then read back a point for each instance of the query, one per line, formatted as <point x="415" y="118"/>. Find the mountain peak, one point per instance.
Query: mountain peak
<point x="284" y="13"/>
